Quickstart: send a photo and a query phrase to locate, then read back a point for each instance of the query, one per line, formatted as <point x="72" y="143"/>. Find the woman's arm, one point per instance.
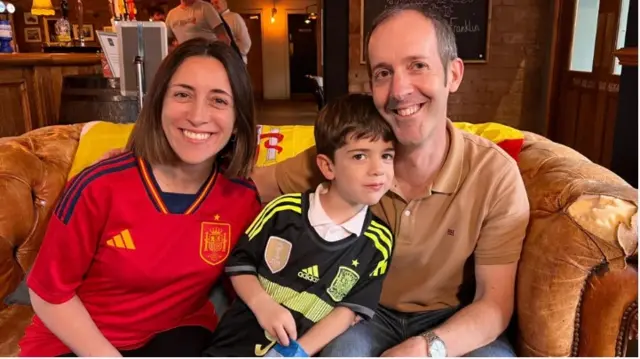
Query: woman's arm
<point x="68" y="249"/>
<point x="331" y="326"/>
<point x="80" y="333"/>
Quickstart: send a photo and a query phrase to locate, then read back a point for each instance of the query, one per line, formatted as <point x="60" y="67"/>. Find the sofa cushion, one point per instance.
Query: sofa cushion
<point x="276" y="143"/>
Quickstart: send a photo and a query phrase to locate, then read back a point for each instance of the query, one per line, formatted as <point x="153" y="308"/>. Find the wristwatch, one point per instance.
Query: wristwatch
<point x="435" y="346"/>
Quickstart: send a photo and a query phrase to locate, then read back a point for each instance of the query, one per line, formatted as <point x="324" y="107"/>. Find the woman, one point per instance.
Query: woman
<point x="137" y="241"/>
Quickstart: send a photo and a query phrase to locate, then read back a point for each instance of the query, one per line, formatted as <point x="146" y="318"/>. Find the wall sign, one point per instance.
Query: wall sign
<point x="470" y="20"/>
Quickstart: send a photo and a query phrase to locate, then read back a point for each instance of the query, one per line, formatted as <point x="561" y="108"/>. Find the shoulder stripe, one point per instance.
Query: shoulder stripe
<point x="271" y="205"/>
<point x="377" y="244"/>
<point x="248" y="183"/>
<point x="65" y="212"/>
<point x="244" y="182"/>
<point x="80" y="178"/>
<point x="382" y="239"/>
<point x="291" y="202"/>
<point x="384" y="233"/>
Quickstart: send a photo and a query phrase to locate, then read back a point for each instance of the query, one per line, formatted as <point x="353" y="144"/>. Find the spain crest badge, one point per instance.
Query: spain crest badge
<point x="344" y="281"/>
<point x="215" y="242"/>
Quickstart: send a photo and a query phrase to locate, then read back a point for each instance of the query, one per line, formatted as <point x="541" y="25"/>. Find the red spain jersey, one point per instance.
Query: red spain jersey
<point x="138" y="268"/>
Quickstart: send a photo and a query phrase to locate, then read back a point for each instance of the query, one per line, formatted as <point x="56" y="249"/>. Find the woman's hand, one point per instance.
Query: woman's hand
<point x="276" y="320"/>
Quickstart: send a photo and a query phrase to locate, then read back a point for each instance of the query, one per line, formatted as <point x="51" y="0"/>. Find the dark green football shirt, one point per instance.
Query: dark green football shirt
<point x="302" y="272"/>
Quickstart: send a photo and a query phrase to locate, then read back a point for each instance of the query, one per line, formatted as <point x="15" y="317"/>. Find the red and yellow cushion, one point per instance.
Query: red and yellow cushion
<point x="507" y="138"/>
<point x="276" y="143"/>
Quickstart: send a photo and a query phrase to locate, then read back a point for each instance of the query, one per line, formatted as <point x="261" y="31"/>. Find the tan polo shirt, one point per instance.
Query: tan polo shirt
<point x="477" y="210"/>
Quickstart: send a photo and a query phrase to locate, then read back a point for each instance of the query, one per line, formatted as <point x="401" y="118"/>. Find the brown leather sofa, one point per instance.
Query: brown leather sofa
<point x="577" y="286"/>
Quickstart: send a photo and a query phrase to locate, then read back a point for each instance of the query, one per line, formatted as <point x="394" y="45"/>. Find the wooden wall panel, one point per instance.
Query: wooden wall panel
<point x="14" y="92"/>
<point x="31" y="88"/>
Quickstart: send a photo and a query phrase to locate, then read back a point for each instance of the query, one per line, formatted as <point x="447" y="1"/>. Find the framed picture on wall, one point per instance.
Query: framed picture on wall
<point x="50" y="30"/>
<point x="32" y="34"/>
<point x="30" y="19"/>
<point x="87" y="32"/>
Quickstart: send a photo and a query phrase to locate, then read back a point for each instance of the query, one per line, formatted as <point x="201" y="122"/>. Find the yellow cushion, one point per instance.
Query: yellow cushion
<point x="96" y="139"/>
<point x="276" y="143"/>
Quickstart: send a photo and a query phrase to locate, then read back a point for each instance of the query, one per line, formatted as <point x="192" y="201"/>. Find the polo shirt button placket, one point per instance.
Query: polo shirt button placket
<point x="406" y="224"/>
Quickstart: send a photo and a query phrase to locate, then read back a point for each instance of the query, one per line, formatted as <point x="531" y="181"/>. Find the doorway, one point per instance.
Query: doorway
<point x="586" y="75"/>
<point x="254" y="57"/>
<point x="303" y="58"/>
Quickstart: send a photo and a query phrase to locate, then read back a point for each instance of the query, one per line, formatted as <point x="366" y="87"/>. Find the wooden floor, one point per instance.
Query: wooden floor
<point x="286" y="112"/>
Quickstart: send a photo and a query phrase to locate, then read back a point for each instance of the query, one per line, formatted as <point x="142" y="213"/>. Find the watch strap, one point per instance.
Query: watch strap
<point x="430" y="337"/>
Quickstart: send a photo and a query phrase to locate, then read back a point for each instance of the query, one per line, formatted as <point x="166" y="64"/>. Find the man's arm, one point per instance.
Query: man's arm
<point x="243" y="40"/>
<point x="171" y="37"/>
<point x="212" y="18"/>
<point x="294" y="175"/>
<point x="481" y="322"/>
<point x="496" y="258"/>
<point x="222" y="35"/>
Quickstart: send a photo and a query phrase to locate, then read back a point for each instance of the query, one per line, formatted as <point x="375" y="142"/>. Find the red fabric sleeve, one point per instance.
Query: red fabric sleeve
<point x="69" y="245"/>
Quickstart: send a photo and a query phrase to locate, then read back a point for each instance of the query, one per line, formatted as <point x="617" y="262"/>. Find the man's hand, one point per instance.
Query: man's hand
<point x="276" y="320"/>
<point x="412" y="347"/>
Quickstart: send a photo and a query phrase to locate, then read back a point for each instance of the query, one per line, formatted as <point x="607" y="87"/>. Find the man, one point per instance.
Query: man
<point x="458" y="199"/>
<point x="156" y="14"/>
<point x="194" y="18"/>
<point x="237" y="26"/>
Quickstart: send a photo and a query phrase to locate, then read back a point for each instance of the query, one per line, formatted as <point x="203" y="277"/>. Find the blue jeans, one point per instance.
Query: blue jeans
<point x="389" y="328"/>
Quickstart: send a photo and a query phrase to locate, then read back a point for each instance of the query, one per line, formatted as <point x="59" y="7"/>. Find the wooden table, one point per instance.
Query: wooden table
<point x="31" y="84"/>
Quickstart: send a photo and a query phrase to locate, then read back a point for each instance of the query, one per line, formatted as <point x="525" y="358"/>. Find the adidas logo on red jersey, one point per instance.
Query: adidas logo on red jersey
<point x="122" y="240"/>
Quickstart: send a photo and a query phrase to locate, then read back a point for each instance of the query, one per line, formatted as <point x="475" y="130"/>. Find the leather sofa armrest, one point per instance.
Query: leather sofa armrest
<point x="582" y="234"/>
<point x="609" y="309"/>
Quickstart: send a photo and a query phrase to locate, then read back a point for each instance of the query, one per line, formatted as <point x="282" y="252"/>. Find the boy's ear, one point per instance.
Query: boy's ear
<point x="326" y="167"/>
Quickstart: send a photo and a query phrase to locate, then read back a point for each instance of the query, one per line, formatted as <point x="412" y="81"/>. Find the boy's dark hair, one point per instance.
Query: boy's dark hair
<point x="353" y="116"/>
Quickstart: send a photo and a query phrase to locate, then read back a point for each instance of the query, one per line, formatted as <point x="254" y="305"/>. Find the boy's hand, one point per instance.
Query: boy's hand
<point x="276" y="320"/>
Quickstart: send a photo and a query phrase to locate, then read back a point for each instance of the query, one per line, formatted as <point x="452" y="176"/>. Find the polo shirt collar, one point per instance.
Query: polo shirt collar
<point x="318" y="216"/>
<point x="449" y="177"/>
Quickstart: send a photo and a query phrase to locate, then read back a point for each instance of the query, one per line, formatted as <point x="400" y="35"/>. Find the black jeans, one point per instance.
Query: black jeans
<point x="177" y="342"/>
<point x="389" y="328"/>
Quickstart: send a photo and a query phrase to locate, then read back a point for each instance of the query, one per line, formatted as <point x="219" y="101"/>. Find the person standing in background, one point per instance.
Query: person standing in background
<point x="156" y="14"/>
<point x="237" y="26"/>
<point x="195" y="19"/>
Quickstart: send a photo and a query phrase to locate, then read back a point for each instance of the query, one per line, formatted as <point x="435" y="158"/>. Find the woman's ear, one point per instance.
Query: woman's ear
<point x="326" y="167"/>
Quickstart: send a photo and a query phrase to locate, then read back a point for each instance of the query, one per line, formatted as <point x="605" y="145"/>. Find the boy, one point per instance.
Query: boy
<point x="310" y="263"/>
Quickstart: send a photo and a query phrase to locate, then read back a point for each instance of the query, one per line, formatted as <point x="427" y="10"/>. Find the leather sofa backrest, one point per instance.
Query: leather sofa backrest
<point x="34" y="166"/>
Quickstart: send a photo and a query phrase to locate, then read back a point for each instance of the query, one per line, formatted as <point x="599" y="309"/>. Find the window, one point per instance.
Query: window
<point x="584" y="35"/>
<point x="622" y="34"/>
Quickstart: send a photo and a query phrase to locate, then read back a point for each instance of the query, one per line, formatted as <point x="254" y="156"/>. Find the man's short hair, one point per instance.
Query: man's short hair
<point x="446" y="38"/>
<point x="350" y="117"/>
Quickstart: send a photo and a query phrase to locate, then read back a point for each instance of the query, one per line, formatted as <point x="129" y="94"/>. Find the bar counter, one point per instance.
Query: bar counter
<point x="31" y="85"/>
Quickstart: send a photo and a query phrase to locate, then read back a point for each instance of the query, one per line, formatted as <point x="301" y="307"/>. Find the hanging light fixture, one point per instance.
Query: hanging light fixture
<point x="42" y="7"/>
<point x="274" y="11"/>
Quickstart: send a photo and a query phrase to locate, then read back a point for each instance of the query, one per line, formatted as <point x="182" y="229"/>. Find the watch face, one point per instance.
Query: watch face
<point x="10" y="8"/>
<point x="3" y="7"/>
<point x="437" y="349"/>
